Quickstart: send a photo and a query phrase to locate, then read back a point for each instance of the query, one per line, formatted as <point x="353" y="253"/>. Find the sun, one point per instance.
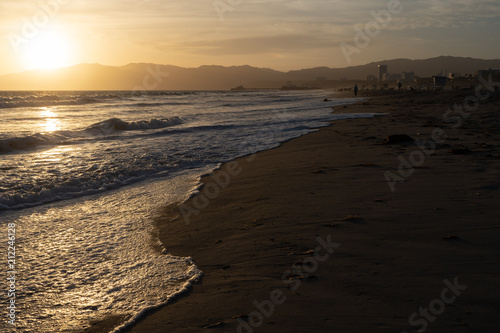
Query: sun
<point x="50" y="49"/>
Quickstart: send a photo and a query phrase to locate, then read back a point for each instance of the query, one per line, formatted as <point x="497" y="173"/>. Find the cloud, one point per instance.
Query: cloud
<point x="258" y="45"/>
<point x="152" y="29"/>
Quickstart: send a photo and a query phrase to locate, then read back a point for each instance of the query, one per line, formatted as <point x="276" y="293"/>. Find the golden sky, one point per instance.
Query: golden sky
<point x="282" y="35"/>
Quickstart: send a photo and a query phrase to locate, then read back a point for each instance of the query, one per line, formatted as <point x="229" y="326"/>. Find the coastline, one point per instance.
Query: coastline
<point x="331" y="183"/>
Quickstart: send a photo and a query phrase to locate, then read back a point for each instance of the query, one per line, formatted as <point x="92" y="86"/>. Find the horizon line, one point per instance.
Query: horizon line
<point x="230" y="66"/>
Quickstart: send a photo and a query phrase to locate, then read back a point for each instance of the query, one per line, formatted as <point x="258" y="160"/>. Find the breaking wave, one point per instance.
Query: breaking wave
<point x="45" y="100"/>
<point x="103" y="128"/>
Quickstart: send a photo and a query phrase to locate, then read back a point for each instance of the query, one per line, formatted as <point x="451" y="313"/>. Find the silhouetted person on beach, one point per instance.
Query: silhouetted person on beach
<point x="355" y="90"/>
<point x="399" y="85"/>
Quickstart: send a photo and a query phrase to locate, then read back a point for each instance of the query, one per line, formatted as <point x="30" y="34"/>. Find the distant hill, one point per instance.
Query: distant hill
<point x="167" y="77"/>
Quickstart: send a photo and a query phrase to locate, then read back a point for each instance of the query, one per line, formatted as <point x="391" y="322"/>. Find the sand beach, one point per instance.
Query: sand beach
<point x="337" y="231"/>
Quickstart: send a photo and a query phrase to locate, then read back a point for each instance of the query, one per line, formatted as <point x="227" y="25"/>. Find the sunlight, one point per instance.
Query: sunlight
<point x="49" y="50"/>
<point x="51" y="124"/>
<point x="47" y="112"/>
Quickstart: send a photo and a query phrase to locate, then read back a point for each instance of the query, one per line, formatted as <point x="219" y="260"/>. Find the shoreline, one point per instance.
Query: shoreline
<point x="329" y="183"/>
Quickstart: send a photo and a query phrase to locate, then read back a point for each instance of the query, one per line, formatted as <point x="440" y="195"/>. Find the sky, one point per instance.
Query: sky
<point x="283" y="35"/>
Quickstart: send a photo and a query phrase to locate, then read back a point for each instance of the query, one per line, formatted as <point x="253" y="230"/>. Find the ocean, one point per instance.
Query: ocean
<point x="83" y="175"/>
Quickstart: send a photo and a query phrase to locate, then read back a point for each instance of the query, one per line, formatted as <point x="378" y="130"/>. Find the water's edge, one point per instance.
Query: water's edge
<point x="185" y="292"/>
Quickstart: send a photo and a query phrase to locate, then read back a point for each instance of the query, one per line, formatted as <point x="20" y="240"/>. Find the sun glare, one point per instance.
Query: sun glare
<point x="48" y="50"/>
<point x="51" y="123"/>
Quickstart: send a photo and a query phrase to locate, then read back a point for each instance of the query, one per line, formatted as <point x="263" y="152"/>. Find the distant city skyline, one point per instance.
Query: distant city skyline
<point x="282" y="35"/>
<point x="160" y="77"/>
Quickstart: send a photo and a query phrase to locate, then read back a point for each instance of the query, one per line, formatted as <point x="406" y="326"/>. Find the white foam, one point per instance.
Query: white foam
<point x="185" y="287"/>
<point x="92" y="257"/>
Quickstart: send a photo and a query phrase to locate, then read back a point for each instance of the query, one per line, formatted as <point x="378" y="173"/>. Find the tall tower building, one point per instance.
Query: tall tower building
<point x="382" y="69"/>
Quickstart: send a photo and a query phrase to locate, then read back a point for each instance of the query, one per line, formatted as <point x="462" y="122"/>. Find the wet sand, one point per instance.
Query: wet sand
<point x="311" y="237"/>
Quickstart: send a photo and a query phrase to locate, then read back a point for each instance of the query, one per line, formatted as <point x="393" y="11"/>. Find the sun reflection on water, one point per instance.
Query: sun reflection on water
<point x="51" y="123"/>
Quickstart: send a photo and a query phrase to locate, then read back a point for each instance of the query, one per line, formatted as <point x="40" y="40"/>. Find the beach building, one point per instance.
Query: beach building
<point x="382" y="69"/>
<point x="439" y="81"/>
<point x="486" y="73"/>
<point x="408" y="76"/>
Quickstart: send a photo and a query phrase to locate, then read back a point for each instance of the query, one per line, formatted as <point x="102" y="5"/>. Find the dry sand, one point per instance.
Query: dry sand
<point x="396" y="248"/>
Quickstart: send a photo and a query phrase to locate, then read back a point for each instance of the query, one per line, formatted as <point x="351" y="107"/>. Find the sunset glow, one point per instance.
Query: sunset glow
<point x="49" y="50"/>
<point x="282" y="35"/>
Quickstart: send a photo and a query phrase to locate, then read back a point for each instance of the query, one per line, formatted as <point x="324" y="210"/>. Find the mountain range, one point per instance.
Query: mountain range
<point x="143" y="76"/>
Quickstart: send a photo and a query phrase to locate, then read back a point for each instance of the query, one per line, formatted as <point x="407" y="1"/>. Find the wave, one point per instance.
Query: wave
<point x="88" y="183"/>
<point x="53" y="100"/>
<point x="21" y="104"/>
<point x="100" y="129"/>
<point x="160" y="104"/>
<point x="29" y="142"/>
<point x="116" y="124"/>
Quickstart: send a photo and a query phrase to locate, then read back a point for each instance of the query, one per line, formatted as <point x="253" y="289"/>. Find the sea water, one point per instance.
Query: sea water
<point x="83" y="175"/>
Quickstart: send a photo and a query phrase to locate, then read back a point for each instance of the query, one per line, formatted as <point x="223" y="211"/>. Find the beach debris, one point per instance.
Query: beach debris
<point x="258" y="222"/>
<point x="218" y="324"/>
<point x="398" y="138"/>
<point x="351" y="217"/>
<point x="218" y="241"/>
<point x="323" y="169"/>
<point x="308" y="252"/>
<point x="241" y="316"/>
